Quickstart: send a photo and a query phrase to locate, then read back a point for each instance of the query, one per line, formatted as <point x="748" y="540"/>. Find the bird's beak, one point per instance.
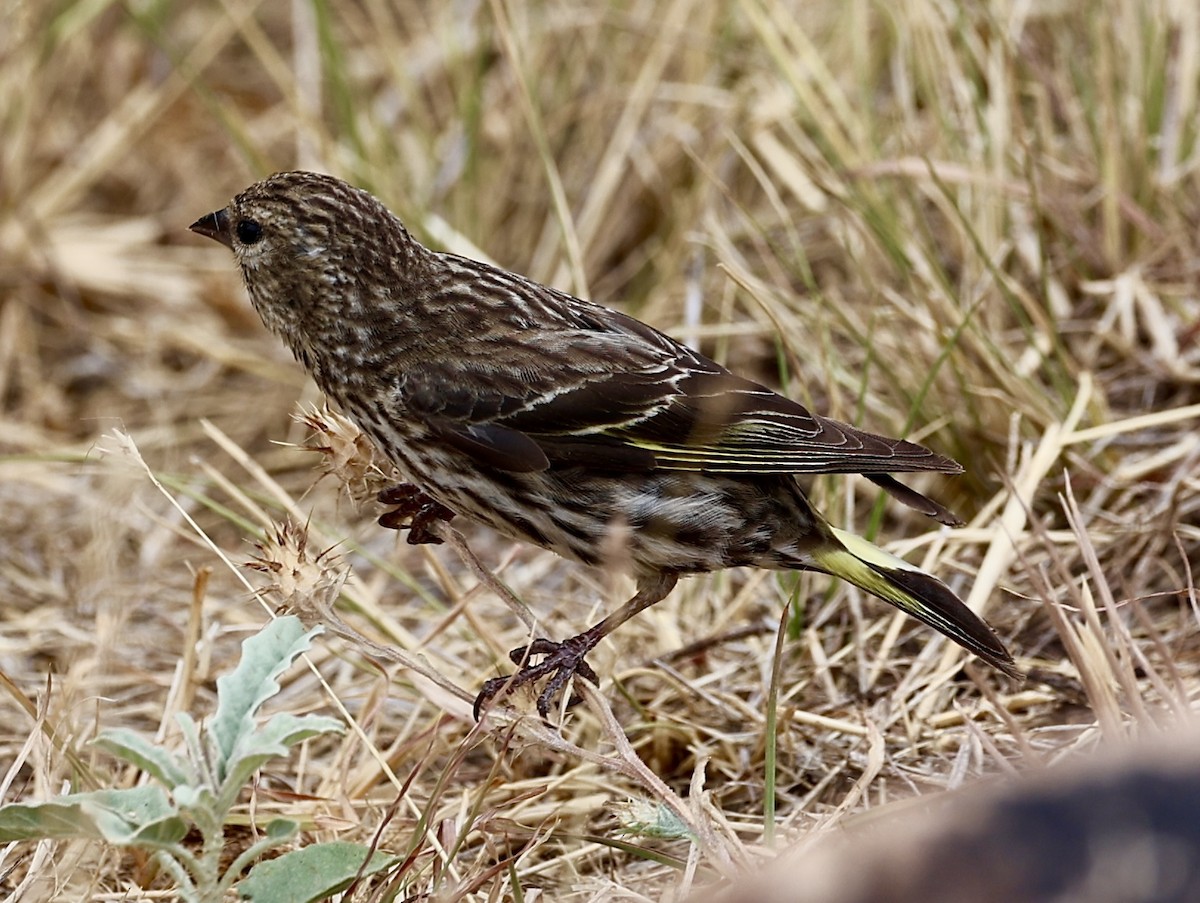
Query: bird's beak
<point x="215" y="226"/>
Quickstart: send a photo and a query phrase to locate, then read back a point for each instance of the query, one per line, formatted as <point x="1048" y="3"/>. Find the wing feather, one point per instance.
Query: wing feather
<point x="714" y="421"/>
<point x="588" y="386"/>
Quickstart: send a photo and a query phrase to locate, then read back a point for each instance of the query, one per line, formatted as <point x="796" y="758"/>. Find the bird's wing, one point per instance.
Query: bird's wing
<point x="587" y="386"/>
<point x="705" y="418"/>
<point x="610" y="390"/>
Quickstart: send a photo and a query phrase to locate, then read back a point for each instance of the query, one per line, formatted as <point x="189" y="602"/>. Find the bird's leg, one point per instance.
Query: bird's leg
<point x="414" y="506"/>
<point x="564" y="660"/>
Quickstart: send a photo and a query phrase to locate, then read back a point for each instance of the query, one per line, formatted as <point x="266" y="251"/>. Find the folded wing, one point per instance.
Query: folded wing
<point x="603" y="390"/>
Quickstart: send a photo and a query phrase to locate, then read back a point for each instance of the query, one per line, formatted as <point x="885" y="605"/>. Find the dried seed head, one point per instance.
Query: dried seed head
<point x="300" y="583"/>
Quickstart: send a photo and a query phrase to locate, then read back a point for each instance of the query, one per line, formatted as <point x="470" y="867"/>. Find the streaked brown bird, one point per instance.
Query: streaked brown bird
<point x="554" y="420"/>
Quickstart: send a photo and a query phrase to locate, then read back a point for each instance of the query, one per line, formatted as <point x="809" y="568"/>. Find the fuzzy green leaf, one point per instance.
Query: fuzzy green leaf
<point x="141" y="816"/>
<point x="265" y="656"/>
<point x="168" y="769"/>
<point x="312" y="873"/>
<point x="271" y="740"/>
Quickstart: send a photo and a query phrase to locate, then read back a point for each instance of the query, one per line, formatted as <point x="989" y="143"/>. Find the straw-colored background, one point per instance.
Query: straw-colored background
<point x="977" y="225"/>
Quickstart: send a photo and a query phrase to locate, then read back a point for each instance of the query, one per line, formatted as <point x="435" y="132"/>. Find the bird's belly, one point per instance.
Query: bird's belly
<point x="645" y="522"/>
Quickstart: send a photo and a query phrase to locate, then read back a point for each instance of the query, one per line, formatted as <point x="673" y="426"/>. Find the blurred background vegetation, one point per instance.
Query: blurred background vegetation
<point x="977" y="225"/>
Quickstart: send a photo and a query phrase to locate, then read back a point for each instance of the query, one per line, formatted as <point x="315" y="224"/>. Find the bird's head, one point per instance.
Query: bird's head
<point x="290" y="218"/>
<point x="306" y="244"/>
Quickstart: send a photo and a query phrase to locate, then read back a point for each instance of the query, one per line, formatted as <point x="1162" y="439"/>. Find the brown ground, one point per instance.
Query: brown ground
<point x="979" y="229"/>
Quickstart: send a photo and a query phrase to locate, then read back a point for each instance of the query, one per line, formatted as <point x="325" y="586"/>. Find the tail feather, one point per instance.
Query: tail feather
<point x="914" y="499"/>
<point x="913" y="591"/>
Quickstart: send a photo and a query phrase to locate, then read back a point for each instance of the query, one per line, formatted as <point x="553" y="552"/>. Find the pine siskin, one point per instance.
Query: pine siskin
<point x="554" y="420"/>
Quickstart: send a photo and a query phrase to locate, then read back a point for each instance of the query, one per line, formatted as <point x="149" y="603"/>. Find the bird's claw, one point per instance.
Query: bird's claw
<point x="413" y="509"/>
<point x="561" y="662"/>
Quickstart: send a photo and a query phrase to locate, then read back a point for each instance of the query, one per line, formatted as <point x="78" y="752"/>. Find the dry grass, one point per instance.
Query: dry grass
<point x="979" y="228"/>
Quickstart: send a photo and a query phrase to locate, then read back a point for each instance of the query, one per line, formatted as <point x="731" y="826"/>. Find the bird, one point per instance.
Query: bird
<point x="559" y="422"/>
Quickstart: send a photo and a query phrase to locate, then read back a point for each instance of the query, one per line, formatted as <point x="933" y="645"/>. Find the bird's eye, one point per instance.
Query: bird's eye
<point x="248" y="231"/>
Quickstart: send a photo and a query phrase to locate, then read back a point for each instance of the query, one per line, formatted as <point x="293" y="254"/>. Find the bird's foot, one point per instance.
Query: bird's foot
<point x="412" y="508"/>
<point x="562" y="662"/>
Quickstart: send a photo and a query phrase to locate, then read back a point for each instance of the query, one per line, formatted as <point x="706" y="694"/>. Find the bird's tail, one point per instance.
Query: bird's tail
<point x="912" y="590"/>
